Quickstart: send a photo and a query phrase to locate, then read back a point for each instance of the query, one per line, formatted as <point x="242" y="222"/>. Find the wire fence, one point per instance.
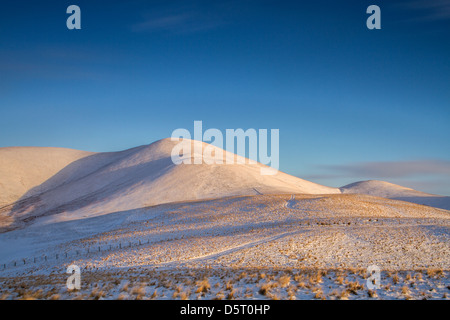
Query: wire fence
<point x="76" y="253"/>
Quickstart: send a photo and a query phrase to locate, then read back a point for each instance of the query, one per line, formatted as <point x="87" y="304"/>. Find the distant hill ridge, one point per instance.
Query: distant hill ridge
<point x="74" y="184"/>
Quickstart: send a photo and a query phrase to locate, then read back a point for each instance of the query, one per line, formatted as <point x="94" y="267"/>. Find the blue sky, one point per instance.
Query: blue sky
<point x="351" y="103"/>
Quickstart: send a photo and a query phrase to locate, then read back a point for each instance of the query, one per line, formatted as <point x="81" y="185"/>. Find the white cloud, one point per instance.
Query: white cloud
<point x="429" y="10"/>
<point x="394" y="169"/>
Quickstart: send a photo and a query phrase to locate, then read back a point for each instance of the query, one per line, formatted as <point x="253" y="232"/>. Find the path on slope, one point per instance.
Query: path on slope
<point x="289" y="203"/>
<point x="217" y="254"/>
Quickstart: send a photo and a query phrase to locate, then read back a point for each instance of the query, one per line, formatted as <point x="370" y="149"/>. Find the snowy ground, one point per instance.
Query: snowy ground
<point x="251" y="247"/>
<point x="219" y="284"/>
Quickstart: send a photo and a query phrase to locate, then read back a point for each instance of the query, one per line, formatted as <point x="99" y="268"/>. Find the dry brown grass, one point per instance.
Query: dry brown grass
<point x="203" y="286"/>
<point x="229" y="285"/>
<point x="139" y="292"/>
<point x="372" y="293"/>
<point x="231" y="295"/>
<point x="184" y="295"/>
<point x="435" y="272"/>
<point x="318" y="293"/>
<point x="284" y="281"/>
<point x="395" y="279"/>
<point x="267" y="287"/>
<point x="97" y="294"/>
<point x="418" y="276"/>
<point x="344" y="295"/>
<point x="340" y="280"/>
<point x="405" y="290"/>
<point x="354" y="286"/>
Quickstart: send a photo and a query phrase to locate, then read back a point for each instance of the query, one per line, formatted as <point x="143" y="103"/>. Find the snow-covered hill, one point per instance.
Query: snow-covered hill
<point x="43" y="185"/>
<point x="23" y="170"/>
<point x="392" y="191"/>
<point x="102" y="183"/>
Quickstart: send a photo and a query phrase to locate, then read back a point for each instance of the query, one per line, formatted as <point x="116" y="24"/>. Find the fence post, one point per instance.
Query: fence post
<point x="98" y="249"/>
<point x="15" y="263"/>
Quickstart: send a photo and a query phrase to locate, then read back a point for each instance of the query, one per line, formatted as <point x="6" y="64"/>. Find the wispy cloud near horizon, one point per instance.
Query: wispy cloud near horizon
<point x="428" y="10"/>
<point x="425" y="175"/>
<point x="392" y="169"/>
<point x="176" y="23"/>
<point x="188" y="17"/>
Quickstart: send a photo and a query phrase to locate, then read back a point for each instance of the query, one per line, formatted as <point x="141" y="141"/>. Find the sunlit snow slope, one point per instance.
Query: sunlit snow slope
<point x="101" y="183"/>
<point x="55" y="184"/>
<point x="23" y="170"/>
<point x="392" y="191"/>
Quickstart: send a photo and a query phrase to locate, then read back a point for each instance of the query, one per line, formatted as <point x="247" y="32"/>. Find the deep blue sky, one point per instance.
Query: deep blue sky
<point x="351" y="103"/>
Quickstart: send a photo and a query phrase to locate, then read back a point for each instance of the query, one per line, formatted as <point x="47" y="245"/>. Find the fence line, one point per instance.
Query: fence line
<point x="71" y="254"/>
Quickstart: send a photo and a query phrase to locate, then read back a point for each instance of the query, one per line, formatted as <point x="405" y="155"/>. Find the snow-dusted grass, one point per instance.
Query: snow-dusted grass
<point x="252" y="247"/>
<point x="221" y="284"/>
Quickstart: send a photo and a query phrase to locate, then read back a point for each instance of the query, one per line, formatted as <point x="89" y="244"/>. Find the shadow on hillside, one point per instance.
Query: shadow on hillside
<point x="440" y="202"/>
<point x="32" y="205"/>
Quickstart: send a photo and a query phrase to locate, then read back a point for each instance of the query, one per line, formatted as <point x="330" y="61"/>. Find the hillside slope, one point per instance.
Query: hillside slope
<point x="102" y="183"/>
<point x="23" y="170"/>
<point x="392" y="191"/>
